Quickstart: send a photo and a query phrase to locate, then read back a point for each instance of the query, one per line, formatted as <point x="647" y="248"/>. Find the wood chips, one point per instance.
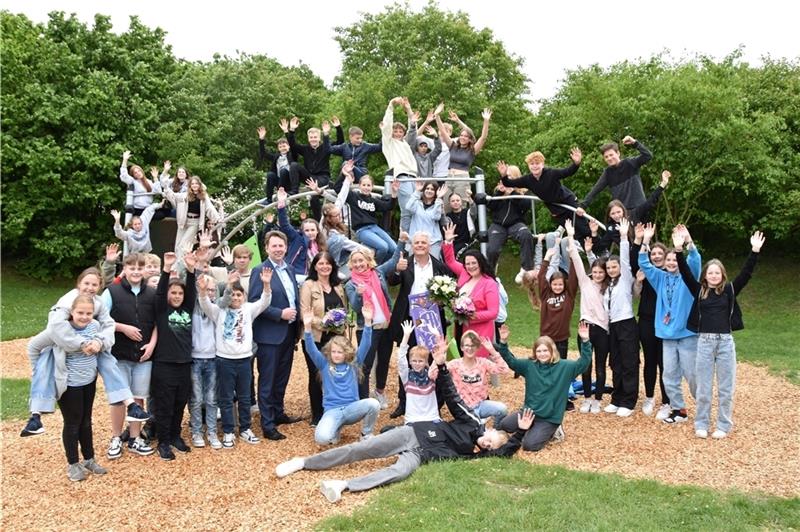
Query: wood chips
<point x="237" y="489"/>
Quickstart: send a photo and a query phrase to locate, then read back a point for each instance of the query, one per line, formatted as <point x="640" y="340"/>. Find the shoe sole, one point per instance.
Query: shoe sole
<point x="217" y="447"/>
<point x="331" y="494"/>
<point x="26" y="433"/>
<point x="137" y="419"/>
<point x="114" y="456"/>
<point x="251" y="442"/>
<point x="167" y="458"/>
<point x="227" y="447"/>
<point x="142" y="453"/>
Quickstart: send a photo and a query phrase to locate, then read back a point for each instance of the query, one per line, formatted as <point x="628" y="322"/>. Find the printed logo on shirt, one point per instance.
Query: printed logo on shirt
<point x="366" y="206"/>
<point x="232" y="327"/>
<point x="179" y="320"/>
<point x="470" y="379"/>
<point x="431" y="433"/>
<point x="556" y="301"/>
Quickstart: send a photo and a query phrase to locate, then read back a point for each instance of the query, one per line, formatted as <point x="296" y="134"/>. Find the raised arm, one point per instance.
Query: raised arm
<point x="487" y="116"/>
<point x="644" y="154"/>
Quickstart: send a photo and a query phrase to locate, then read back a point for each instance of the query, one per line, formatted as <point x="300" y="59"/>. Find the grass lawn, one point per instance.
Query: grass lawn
<point x="494" y="494"/>
<point x="25" y="303"/>
<point x="14" y="398"/>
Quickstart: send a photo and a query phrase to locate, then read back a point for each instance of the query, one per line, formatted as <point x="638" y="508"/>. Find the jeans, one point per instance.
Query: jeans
<point x="535" y="437"/>
<point x="234" y="377"/>
<point x="564" y="262"/>
<point x="403" y="195"/>
<point x="378" y="240"/>
<point x="204" y="393"/>
<point x="495" y="409"/>
<point x="498" y="236"/>
<point x="715" y="352"/>
<point x="679" y="360"/>
<point x="137" y="376"/>
<point x="335" y="418"/>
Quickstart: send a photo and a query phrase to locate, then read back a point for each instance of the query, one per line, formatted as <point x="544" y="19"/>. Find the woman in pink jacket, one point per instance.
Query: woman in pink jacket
<point x="476" y="280"/>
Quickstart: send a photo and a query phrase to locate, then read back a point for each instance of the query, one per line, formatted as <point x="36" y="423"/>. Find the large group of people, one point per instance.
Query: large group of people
<point x="198" y="328"/>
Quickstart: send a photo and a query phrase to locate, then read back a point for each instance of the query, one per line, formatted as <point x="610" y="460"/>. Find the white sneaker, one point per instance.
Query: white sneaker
<point x="382" y="400"/>
<point x="624" y="412"/>
<point x="213" y="441"/>
<point x="114" y="448"/>
<point x="611" y="408"/>
<point x="228" y="440"/>
<point x="718" y="434"/>
<point x="586" y="405"/>
<point x="595" y="409"/>
<point x="518" y="278"/>
<point x="648" y="405"/>
<point x="558" y="435"/>
<point x="288" y="467"/>
<point x="197" y="440"/>
<point x="701" y="433"/>
<point x="332" y="489"/>
<point x="663" y="412"/>
<point x="249" y="437"/>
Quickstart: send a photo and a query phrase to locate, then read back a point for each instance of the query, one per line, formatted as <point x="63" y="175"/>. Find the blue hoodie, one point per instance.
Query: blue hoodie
<point x="673" y="296"/>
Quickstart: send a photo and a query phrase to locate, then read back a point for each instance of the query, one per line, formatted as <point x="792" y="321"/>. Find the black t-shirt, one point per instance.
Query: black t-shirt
<point x="714" y="313"/>
<point x="194" y="207"/>
<point x="332" y="300"/>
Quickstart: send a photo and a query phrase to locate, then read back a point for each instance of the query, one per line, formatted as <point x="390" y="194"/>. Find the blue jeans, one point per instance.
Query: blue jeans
<point x="679" y="360"/>
<point x="234" y="376"/>
<point x="715" y="352"/>
<point x="137" y="376"/>
<point x="43" y="385"/>
<point x="495" y="409"/>
<point x="335" y="418"/>
<point x="204" y="393"/>
<point x="403" y="195"/>
<point x="378" y="240"/>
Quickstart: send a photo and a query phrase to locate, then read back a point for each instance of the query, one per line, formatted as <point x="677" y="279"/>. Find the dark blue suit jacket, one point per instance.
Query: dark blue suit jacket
<point x="268" y="327"/>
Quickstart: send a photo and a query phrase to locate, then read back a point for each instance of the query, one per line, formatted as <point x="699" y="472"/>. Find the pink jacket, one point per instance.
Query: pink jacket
<point x="485" y="295"/>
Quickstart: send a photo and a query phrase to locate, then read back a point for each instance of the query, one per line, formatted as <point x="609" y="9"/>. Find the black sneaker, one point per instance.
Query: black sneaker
<point x="165" y="452"/>
<point x="149" y="430"/>
<point x="570" y="406"/>
<point x="126" y="435"/>
<point x="136" y="413"/>
<point x="677" y="416"/>
<point x="180" y="445"/>
<point x="33" y="426"/>
<point x="399" y="411"/>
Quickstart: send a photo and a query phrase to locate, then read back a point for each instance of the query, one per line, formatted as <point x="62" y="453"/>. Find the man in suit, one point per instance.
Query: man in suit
<point x="412" y="275"/>
<point x="275" y="333"/>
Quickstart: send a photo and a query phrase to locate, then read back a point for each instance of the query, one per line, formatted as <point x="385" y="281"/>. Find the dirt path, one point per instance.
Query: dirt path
<point x="237" y="489"/>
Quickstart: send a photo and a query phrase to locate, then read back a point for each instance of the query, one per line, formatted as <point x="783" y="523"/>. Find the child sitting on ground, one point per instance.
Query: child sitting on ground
<point x="471" y="377"/>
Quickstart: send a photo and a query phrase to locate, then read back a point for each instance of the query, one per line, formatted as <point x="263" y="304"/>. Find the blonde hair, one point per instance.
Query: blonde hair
<point x="190" y="196"/>
<point x="550" y="345"/>
<point x="368" y="255"/>
<point x="240" y="250"/>
<point x="420" y="352"/>
<point x="152" y="259"/>
<point x="514" y="171"/>
<point x="349" y="354"/>
<point x="704" y="288"/>
<point x="534" y="157"/>
<point x="82" y="299"/>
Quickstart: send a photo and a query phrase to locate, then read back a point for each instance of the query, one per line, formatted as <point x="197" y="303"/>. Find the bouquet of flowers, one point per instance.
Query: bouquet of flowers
<point x="442" y="289"/>
<point x="463" y="309"/>
<point x="335" y="320"/>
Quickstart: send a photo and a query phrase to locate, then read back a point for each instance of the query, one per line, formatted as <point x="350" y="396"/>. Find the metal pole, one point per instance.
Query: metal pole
<point x="480" y="196"/>
<point x="128" y="216"/>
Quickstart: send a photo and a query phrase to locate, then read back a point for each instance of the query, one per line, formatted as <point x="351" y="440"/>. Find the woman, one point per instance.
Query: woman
<point x="191" y="210"/>
<point x="464" y="149"/>
<point x="425" y="207"/>
<point x="321" y="292"/>
<point x="476" y="280"/>
<point x="368" y="281"/>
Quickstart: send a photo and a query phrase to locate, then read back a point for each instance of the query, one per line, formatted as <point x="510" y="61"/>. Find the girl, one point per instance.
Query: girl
<point x="340" y="369"/>
<point x="463" y="220"/>
<point x="321" y="292"/>
<point x="425" y="207"/>
<point x="314" y="237"/>
<point x="339" y="245"/>
<point x="476" y="280"/>
<point x="471" y="377"/>
<point x="595" y="314"/>
<point x="714" y="315"/>
<point x="463" y="150"/>
<point x="367" y="286"/>
<point x="137" y="232"/>
<point x="143" y="189"/>
<point x="191" y="210"/>
<point x="363" y="211"/>
<point x="76" y="402"/>
<point x="673" y="302"/>
<point x="547" y="381"/>
<point x="623" y="337"/>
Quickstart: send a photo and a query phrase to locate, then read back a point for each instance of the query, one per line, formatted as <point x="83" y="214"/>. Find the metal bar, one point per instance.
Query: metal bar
<point x="536" y="198"/>
<point x="480" y="189"/>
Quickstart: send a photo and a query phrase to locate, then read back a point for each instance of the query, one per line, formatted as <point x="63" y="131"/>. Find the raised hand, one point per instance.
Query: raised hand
<point x="115" y="215"/>
<point x="234" y="276"/>
<point x="408" y="328"/>
<point x="415" y="116"/>
<point x="580" y="211"/>
<point x="226" y="255"/>
<point x="397" y="100"/>
<point x="588" y="242"/>
<point x="442" y="191"/>
<point x="266" y="278"/>
<point x="638" y="231"/>
<point x="402" y="264"/>
<point x="190" y="260"/>
<point x="550" y="253"/>
<point x="452" y="115"/>
<point x="502" y="168"/>
<point x="569" y="228"/>
<point x="201" y="254"/>
<point x="125" y="156"/>
<point x="486" y="114"/>
<point x="326" y="127"/>
<point x="420" y="184"/>
<point x="403" y="236"/>
<point x="154" y="172"/>
<point x="488" y="345"/>
<point x="756" y="241"/>
<point x="440" y="353"/>
<point x="624" y="225"/>
<point x="583" y="330"/>
<point x="202" y="284"/>
<point x="525" y="419"/>
<point x="505" y="333"/>
<point x="167" y="166"/>
<point x="335" y="121"/>
<point x="593" y="226"/>
<point x="312" y="185"/>
<point x="347" y="168"/>
<point x="262" y="131"/>
<point x="430" y="131"/>
<point x="648" y="232"/>
<point x="665" y="175"/>
<point x="169" y="260"/>
<point x="628" y="140"/>
<point x="294" y="123"/>
<point x="112" y="252"/>
<point x="439" y="109"/>
<point x="576" y="155"/>
<point x="206" y="238"/>
<point x="282" y="195"/>
<point x="450" y="232"/>
<point x="284" y="125"/>
<point x="678" y="238"/>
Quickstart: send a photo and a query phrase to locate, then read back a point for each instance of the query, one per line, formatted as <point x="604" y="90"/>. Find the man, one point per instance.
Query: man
<point x="621" y="176"/>
<point x="399" y="156"/>
<point x="413" y="278"/>
<point x="275" y="333"/>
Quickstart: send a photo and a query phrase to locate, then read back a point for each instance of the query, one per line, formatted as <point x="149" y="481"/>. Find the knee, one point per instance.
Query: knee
<point x="533" y="446"/>
<point x="373" y="406"/>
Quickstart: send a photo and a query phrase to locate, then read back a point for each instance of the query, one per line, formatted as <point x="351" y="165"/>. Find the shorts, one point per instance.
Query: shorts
<point x="137" y="375"/>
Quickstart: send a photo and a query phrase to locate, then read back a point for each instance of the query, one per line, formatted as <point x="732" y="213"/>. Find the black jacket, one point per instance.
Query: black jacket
<point x="316" y="160"/>
<point x="132" y="309"/>
<point x="174" y="324"/>
<point x="272" y="157"/>
<point x="548" y="188"/>
<point x="509" y="212"/>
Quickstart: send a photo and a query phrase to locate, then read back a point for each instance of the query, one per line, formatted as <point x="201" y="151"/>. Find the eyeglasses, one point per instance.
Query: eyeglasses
<point x="469" y="346"/>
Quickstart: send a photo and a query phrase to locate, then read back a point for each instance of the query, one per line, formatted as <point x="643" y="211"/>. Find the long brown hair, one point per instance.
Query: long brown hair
<point x="190" y="195"/>
<point x="704" y="288"/>
<point x="328" y="223"/>
<point x="322" y="242"/>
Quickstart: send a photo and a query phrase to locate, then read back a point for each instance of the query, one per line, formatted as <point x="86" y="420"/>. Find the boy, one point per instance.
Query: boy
<point x="242" y="256"/>
<point x="204" y="370"/>
<point x="284" y="171"/>
<point x="419" y="381"/>
<point x="356" y="150"/>
<point x="426" y="158"/>
<point x="233" y="339"/>
<point x="397" y="150"/>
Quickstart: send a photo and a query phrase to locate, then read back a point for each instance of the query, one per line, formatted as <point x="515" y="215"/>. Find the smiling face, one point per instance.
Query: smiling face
<point x="616" y="213"/>
<point x="283" y="147"/>
<point x="136" y="224"/>
<point x="358" y="262"/>
<point x="611" y="157"/>
<point x="133" y="273"/>
<point x="464" y="139"/>
<point x="398" y="133"/>
<point x="337" y="354"/>
<point x="89" y="285"/>
<point x="237" y="299"/>
<point x="542" y="354"/>
<point x="421" y="245"/>
<point x="472" y="266"/>
<point x="137" y="172"/>
<point x="429" y="192"/>
<point x="612" y="269"/>
<point x="323" y="268"/>
<point x="181" y="174"/>
<point x="175" y="295"/>
<point x="422" y="148"/>
<point x="276" y="248"/>
<point x="241" y="261"/>
<point x="310" y="230"/>
<point x="356" y="139"/>
<point x="195" y="186"/>
<point x="671" y="262"/>
<point x="490" y="440"/>
<point x="598" y="274"/>
<point x="557" y="286"/>
<point x="365" y="185"/>
<point x="418" y="363"/>
<point x="82" y="314"/>
<point x="713" y="276"/>
<point x="469" y="347"/>
<point x="313" y="138"/>
<point x="536" y="167"/>
<point x="657" y="257"/>
<point x="456" y="203"/>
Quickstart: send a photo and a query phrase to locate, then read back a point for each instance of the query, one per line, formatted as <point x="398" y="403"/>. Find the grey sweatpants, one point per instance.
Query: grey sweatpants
<point x="400" y="441"/>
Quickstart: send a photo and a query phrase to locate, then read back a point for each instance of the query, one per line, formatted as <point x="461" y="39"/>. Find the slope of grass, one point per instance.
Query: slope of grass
<point x="25" y="303"/>
<point x="14" y="398"/>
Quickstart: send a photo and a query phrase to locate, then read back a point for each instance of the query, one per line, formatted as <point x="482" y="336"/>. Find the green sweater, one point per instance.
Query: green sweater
<point x="547" y="385"/>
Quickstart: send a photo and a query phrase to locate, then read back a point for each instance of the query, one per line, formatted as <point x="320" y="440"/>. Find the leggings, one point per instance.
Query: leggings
<point x="381" y="350"/>
<point x="76" y="408"/>
<point x="653" y="360"/>
<point x="599" y="340"/>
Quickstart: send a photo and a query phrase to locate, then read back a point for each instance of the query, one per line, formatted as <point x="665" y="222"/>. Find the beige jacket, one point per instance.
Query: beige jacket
<point x="312" y="299"/>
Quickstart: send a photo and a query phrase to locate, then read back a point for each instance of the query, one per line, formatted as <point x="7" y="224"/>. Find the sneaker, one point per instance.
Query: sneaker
<point x="198" y="441"/>
<point x="611" y="408"/>
<point x="180" y="445"/>
<point x="663" y="412"/>
<point x="126" y="435"/>
<point x="701" y="433"/>
<point x="570" y="406"/>
<point x="114" y="448"/>
<point x="719" y="434"/>
<point x="519" y="276"/>
<point x="677" y="416"/>
<point x="648" y="405"/>
<point x="332" y="489"/>
<point x="228" y="441"/>
<point x="136" y="413"/>
<point x="213" y="441"/>
<point x="33" y="426"/>
<point x="558" y="435"/>
<point x="381" y="397"/>
<point x="624" y="412"/>
<point x="249" y="437"/>
<point x="92" y="466"/>
<point x="595" y="409"/>
<point x="76" y="472"/>
<point x="165" y="452"/>
<point x="586" y="405"/>
<point x="284" y="469"/>
<point x="140" y="447"/>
